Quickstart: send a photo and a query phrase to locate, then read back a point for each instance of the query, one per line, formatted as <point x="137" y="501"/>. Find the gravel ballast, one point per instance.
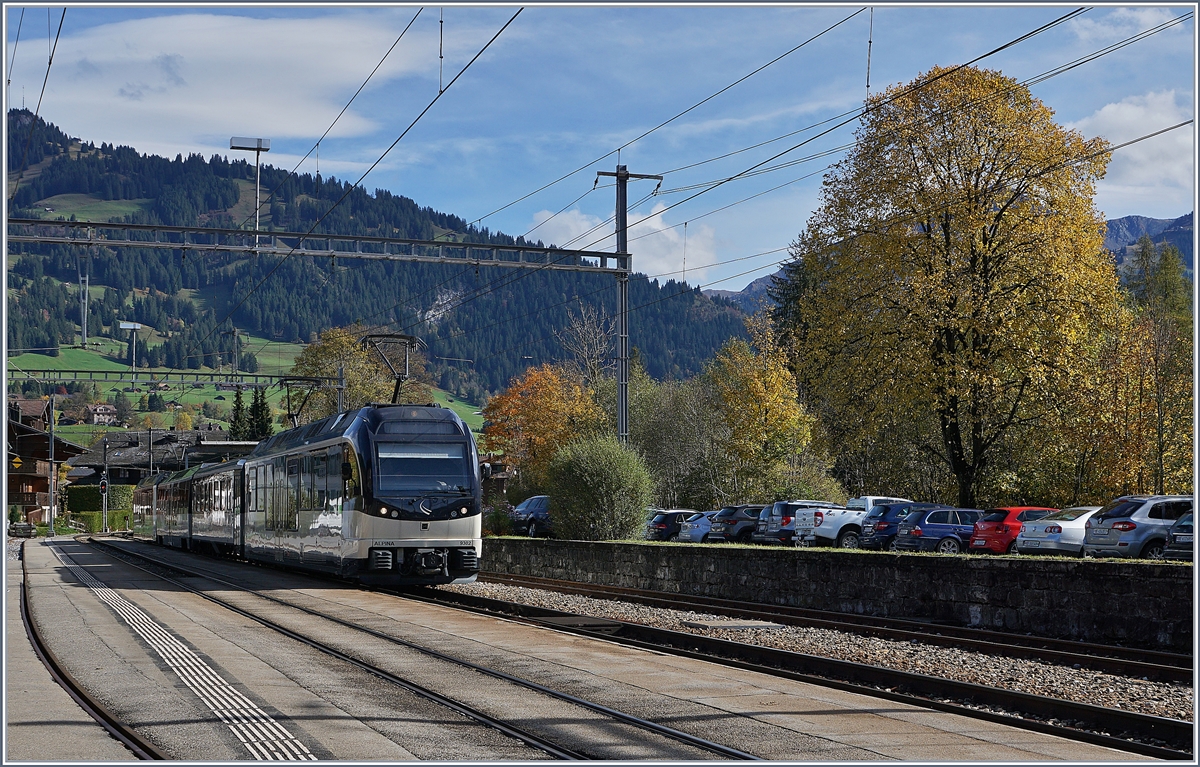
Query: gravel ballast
<point x="1169" y="699"/>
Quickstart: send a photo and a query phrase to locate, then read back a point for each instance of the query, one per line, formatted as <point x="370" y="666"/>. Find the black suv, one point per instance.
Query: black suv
<point x="532" y="517"/>
<point x="665" y="525"/>
<point x="735" y="524"/>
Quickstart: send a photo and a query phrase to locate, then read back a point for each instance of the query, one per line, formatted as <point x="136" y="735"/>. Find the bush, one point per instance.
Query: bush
<point x="599" y="490"/>
<point x="496" y="520"/>
<point x="87" y="497"/>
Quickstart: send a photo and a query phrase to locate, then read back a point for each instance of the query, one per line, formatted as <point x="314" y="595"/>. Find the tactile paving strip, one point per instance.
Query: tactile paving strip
<point x="263" y="737"/>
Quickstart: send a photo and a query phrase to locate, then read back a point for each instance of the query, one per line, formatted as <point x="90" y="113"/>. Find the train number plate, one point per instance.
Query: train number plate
<point x="385" y="543"/>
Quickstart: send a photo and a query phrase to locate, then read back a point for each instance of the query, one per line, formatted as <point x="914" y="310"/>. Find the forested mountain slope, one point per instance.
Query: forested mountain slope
<point x="501" y="320"/>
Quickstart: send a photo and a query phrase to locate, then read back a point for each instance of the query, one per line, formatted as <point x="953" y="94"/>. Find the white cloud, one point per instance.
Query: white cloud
<point x="1119" y="24"/>
<point x="657" y="246"/>
<point x="186" y="80"/>
<point x="1151" y="177"/>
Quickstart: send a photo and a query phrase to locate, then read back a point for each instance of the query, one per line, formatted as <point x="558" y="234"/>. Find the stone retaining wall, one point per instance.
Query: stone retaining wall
<point x="1109" y="601"/>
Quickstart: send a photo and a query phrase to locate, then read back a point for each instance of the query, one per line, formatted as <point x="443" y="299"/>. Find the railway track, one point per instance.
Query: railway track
<point x="1144" y="734"/>
<point x="163" y="570"/>
<point x="139" y="746"/>
<point x="1158" y="666"/>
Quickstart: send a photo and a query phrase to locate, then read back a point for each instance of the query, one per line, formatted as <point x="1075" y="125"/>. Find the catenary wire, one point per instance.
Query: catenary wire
<point x="13" y="59"/>
<point x="33" y="123"/>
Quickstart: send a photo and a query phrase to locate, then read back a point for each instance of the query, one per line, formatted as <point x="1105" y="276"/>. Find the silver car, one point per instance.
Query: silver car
<point x="1058" y="533"/>
<point x="695" y="528"/>
<point x="1134" y="526"/>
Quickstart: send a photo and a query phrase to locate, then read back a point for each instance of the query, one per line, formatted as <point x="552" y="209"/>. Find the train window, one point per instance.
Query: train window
<point x="408" y="467"/>
<point x="353" y="486"/>
<point x="420" y="428"/>
<point x="319" y="474"/>
<point x="333" y="478"/>
<point x="293" y="493"/>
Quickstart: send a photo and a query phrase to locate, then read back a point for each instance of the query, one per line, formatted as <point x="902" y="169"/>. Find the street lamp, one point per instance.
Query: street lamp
<point x="258" y="146"/>
<point x="135" y="327"/>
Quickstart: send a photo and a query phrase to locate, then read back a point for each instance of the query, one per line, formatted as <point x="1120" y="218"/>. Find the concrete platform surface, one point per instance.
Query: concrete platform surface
<point x="774" y="718"/>
<point x="42" y="722"/>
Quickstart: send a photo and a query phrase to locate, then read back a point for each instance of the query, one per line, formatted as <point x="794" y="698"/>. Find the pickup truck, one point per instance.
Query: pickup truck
<point x="836" y="526"/>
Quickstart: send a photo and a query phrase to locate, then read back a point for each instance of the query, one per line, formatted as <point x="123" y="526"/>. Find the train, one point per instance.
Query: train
<point x="385" y="495"/>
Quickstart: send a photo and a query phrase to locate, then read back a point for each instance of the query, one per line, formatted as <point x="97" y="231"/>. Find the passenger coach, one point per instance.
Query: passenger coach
<point x="387" y="494"/>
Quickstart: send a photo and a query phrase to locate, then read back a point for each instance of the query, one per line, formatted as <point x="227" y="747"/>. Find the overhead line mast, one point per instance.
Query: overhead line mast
<point x="623" y="175"/>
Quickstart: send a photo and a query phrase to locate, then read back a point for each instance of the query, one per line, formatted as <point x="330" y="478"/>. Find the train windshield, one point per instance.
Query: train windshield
<point x="408" y="467"/>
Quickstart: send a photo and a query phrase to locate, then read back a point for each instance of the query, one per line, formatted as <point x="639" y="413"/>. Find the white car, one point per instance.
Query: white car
<point x="1058" y="533"/>
<point x="695" y="528"/>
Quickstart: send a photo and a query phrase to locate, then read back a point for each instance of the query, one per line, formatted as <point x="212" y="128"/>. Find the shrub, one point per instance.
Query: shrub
<point x="94" y="520"/>
<point x="599" y="490"/>
<point x="496" y="520"/>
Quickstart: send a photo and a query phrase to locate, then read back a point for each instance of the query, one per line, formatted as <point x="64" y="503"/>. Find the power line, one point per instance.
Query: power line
<point x="668" y="121"/>
<point x="36" y="112"/>
<point x="865" y="109"/>
<point x="335" y="120"/>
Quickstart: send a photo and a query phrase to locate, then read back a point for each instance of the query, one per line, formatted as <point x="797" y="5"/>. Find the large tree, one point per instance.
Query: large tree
<point x="950" y="274"/>
<point x="367" y="377"/>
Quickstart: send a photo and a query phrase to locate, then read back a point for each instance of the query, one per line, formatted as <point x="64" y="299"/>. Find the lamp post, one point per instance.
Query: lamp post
<point x="258" y="146"/>
<point x="133" y="327"/>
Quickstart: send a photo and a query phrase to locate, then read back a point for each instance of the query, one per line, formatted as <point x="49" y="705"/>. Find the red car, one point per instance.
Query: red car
<point x="997" y="530"/>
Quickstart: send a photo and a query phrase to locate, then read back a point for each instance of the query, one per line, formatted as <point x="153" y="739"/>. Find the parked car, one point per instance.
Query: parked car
<point x="666" y="524"/>
<point x="881" y="524"/>
<point x="696" y="527"/>
<point x="1134" y="526"/>
<point x="759" y="535"/>
<point x="944" y="530"/>
<point x="532" y="517"/>
<point x="735" y="524"/>
<point x="997" y="531"/>
<point x="1057" y="533"/>
<point x="836" y="525"/>
<point x="781" y="524"/>
<point x="1179" y="539"/>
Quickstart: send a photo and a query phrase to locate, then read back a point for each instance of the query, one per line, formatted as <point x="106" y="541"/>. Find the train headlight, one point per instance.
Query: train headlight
<point x="395" y="513"/>
<point x="463" y="510"/>
<point x="383" y="510"/>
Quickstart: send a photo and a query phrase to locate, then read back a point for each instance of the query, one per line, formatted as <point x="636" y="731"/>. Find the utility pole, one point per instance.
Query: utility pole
<point x="104" y="487"/>
<point x="258" y="146"/>
<point x="53" y="471"/>
<point x="83" y="298"/>
<point x="623" y="175"/>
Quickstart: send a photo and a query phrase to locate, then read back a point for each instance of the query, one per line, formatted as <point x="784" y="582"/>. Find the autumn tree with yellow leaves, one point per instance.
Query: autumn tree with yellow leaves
<point x="951" y="277"/>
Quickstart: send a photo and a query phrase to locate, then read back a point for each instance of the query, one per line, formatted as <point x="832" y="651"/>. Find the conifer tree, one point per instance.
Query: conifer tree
<point x="239" y="424"/>
<point x="260" y="416"/>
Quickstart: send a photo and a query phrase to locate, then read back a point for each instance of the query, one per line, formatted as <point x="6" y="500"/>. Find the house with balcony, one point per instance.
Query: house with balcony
<point x="29" y="465"/>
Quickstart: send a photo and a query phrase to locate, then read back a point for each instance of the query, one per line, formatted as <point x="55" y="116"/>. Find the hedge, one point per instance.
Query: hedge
<point x="87" y="497"/>
<point x="94" y="520"/>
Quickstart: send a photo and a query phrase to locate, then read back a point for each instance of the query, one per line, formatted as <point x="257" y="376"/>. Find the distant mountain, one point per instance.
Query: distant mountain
<point x="1123" y="234"/>
<point x="1120" y="237"/>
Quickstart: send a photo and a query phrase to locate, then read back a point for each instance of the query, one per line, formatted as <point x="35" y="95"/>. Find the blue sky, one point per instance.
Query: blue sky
<point x="566" y="84"/>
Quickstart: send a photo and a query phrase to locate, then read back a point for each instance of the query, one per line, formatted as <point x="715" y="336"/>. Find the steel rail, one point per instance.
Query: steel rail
<point x="123" y="733"/>
<point x="924" y="691"/>
<point x="645" y="724"/>
<point x="1099" y="657"/>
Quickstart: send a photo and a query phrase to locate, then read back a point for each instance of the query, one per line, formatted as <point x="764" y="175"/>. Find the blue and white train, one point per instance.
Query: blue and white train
<point x="383" y="495"/>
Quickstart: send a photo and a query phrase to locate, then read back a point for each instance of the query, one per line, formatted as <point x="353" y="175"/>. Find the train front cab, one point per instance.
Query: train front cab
<point x="311" y="503"/>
